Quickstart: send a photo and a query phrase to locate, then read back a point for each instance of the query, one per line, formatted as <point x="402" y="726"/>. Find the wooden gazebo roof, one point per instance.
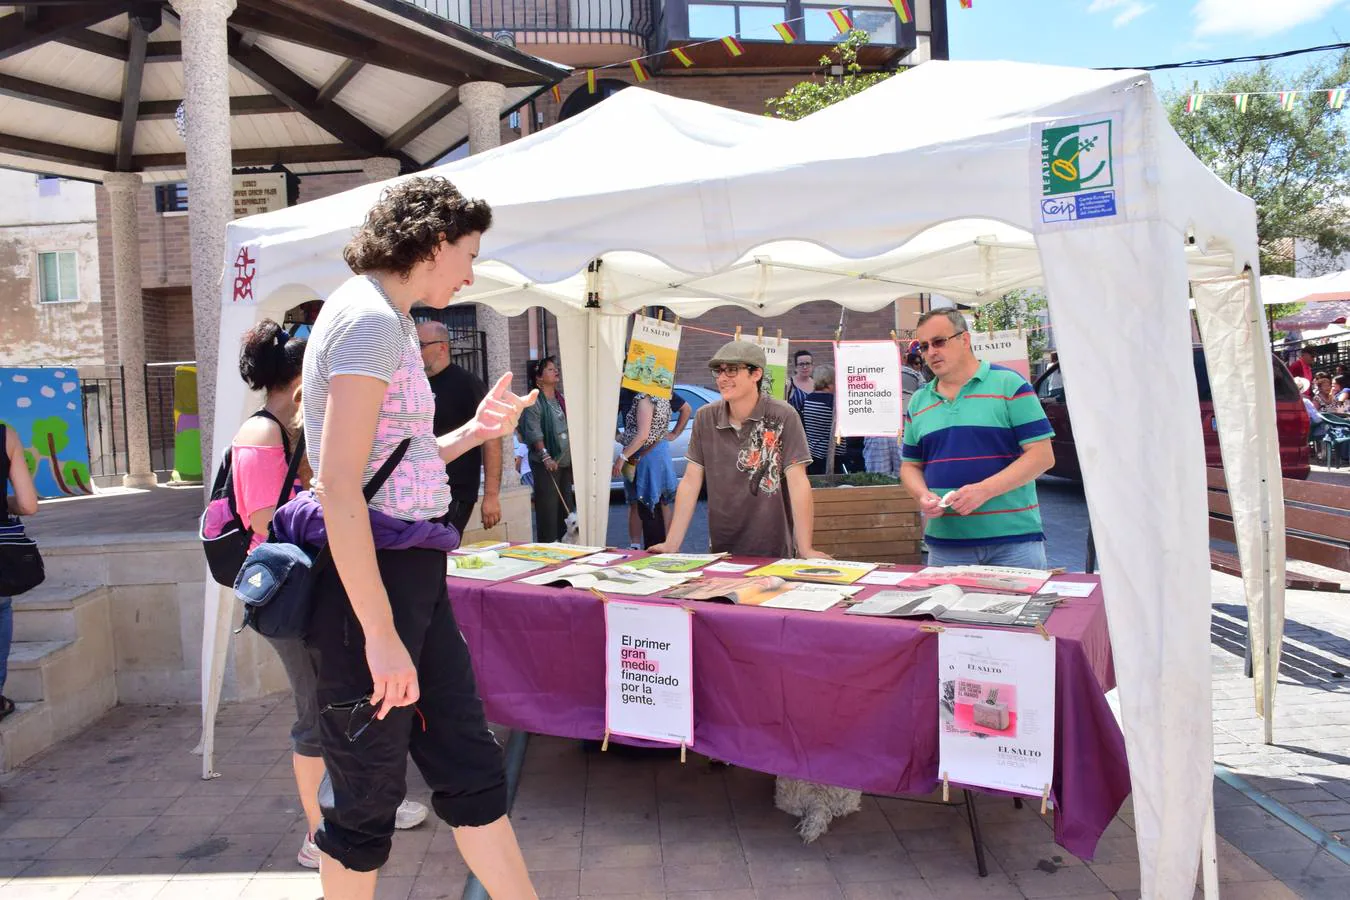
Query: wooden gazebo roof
<point x="92" y="87"/>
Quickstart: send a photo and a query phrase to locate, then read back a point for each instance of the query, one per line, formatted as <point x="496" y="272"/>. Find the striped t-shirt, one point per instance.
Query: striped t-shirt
<point x="970" y="438"/>
<point x="359" y="332"/>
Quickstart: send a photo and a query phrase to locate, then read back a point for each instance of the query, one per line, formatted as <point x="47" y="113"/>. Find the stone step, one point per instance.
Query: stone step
<point x="27" y="662"/>
<point x="25" y="733"/>
<point x="51" y="612"/>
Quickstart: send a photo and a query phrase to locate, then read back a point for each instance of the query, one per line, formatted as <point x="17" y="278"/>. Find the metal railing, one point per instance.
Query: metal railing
<point x="105" y="419"/>
<point x="550" y="21"/>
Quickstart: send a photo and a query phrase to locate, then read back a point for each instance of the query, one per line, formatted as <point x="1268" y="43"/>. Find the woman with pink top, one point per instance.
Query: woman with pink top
<point x="271" y="361"/>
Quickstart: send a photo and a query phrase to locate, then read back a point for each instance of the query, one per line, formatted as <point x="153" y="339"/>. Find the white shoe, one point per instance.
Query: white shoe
<point x="410" y="814"/>
<point x="309" y="853"/>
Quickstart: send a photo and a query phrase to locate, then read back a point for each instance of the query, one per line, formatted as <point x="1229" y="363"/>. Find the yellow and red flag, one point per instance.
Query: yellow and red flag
<point x="1336" y="98"/>
<point x="681" y="56"/>
<point x="841" y="20"/>
<point x="639" y="71"/>
<point x="786" y="33"/>
<point x="967" y="4"/>
<point x="590" y="81"/>
<point x="903" y="11"/>
<point x="557" y="93"/>
<point x="733" y="46"/>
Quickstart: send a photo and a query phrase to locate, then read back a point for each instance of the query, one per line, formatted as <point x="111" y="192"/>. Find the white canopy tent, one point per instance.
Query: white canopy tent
<point x="929" y="182"/>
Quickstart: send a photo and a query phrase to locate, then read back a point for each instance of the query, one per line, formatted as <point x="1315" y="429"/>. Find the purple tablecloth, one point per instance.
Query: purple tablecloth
<point x="844" y="700"/>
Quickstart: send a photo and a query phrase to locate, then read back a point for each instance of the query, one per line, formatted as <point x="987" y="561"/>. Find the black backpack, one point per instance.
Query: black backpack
<point x="226" y="546"/>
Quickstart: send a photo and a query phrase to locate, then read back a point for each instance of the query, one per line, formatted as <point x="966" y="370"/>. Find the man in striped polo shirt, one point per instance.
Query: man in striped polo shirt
<point x="975" y="440"/>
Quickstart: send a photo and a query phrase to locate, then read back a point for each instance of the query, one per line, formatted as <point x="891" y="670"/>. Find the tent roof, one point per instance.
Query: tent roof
<point x="88" y="88"/>
<point x="1283" y="289"/>
<point x="927" y="182"/>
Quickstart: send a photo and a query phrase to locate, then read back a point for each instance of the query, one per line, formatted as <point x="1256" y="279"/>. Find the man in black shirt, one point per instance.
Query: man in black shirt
<point x="458" y="393"/>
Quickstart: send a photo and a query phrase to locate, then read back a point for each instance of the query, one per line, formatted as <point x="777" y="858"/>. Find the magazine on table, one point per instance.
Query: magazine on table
<point x="995" y="579"/>
<point x="765" y="590"/>
<point x="948" y="603"/>
<point x="549" y="554"/>
<point x="610" y="580"/>
<point x="489" y="566"/>
<point x="480" y="547"/>
<point x="674" y="562"/>
<point x="821" y="571"/>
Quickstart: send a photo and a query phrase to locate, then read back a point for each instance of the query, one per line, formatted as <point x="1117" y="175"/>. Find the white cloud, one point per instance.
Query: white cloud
<point x="1126" y="11"/>
<point x="1255" y="18"/>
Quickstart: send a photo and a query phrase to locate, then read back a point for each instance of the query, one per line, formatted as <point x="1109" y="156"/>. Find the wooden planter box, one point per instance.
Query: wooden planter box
<point x="868" y="524"/>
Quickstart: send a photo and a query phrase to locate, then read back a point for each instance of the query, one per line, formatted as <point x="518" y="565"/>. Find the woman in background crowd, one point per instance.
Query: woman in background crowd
<point x="803" y="381"/>
<point x="543" y="427"/>
<point x="817" y="414"/>
<point x="644" y="462"/>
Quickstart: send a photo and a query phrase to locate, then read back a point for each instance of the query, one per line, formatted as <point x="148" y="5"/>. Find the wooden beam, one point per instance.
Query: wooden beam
<point x="262" y="156"/>
<point x="58" y="153"/>
<point x="300" y="96"/>
<point x="441" y="107"/>
<point x="164" y="51"/>
<point x="296" y="27"/>
<point x="248" y="105"/>
<point x="116" y="48"/>
<point x="338" y="80"/>
<point x="18" y="35"/>
<point x="137" y="40"/>
<point x="58" y="98"/>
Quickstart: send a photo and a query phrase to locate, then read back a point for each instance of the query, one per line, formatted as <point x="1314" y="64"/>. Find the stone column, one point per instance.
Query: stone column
<point x="380" y="168"/>
<point x="123" y="188"/>
<point x="483" y="100"/>
<point x="206" y="107"/>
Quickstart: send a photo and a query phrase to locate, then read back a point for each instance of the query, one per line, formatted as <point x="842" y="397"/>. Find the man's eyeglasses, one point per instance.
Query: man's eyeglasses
<point x="804" y="365"/>
<point x="731" y="370"/>
<point x="425" y="344"/>
<point x="938" y="343"/>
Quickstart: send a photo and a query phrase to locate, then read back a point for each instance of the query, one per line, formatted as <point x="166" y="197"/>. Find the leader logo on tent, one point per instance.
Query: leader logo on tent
<point x="1076" y="168"/>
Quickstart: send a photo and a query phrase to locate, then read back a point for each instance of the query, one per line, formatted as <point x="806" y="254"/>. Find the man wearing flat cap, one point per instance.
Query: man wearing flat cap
<point x="752" y="451"/>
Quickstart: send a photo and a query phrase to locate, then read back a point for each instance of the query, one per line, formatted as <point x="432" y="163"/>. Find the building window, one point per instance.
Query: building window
<point x="882" y="25"/>
<point x="752" y="21"/>
<point x="171" y="198"/>
<point x="57" y="277"/>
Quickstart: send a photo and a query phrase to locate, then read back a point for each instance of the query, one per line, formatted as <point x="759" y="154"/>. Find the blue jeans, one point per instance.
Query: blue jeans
<point x="6" y="637"/>
<point x="1022" y="555"/>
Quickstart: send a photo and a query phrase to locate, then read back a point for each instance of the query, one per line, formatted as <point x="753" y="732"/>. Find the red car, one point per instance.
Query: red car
<point x="1291" y="421"/>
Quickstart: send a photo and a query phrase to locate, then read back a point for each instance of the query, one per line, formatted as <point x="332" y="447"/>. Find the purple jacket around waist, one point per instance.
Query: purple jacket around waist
<point x="300" y="521"/>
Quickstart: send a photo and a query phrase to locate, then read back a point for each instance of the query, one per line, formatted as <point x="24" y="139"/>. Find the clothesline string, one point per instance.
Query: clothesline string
<point x="728" y="334"/>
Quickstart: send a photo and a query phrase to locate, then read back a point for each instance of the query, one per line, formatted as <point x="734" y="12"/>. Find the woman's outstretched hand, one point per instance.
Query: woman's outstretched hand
<point x="500" y="410"/>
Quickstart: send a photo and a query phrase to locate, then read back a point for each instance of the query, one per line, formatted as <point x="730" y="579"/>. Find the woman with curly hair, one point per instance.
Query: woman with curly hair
<point x="393" y="671"/>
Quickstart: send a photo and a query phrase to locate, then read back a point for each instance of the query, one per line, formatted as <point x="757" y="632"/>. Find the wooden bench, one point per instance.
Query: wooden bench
<point x="1316" y="525"/>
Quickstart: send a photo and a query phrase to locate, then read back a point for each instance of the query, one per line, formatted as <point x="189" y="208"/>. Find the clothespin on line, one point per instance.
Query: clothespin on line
<point x="604" y="745"/>
<point x="682" y="744"/>
<point x="1040" y="629"/>
<point x="1045" y="799"/>
<point x="759" y="333"/>
<point x="946" y="787"/>
<point x="894" y="338"/>
<point x="660" y="314"/>
<point x="738" y="333"/>
<point x="780" y="336"/>
<point x="677" y="321"/>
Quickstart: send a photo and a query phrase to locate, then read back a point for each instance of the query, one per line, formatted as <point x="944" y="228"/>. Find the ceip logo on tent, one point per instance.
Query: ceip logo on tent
<point x="1076" y="158"/>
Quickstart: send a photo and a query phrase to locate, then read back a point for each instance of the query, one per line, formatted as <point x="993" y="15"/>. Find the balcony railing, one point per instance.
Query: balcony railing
<point x="550" y="21"/>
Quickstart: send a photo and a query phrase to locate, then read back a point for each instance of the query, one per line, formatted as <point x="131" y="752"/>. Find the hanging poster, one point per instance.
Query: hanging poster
<point x="1005" y="348"/>
<point x="649" y="672"/>
<point x="45" y="407"/>
<point x="868" y="396"/>
<point x="996" y="709"/>
<point x="775" y="383"/>
<point x="653" y="349"/>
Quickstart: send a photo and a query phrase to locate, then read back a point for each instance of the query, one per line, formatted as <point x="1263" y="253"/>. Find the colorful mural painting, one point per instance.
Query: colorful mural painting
<point x="45" y="407"/>
<point x="187" y="432"/>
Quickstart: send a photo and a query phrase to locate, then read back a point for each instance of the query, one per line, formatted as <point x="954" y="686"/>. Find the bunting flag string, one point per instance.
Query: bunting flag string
<point x="842" y="20"/>
<point x="682" y="57"/>
<point x="786" y="33"/>
<point x="903" y="11"/>
<point x="1288" y="99"/>
<point x="590" y="81"/>
<point x="556" y="93"/>
<point x="639" y="71"/>
<point x="734" y="47"/>
<point x="967" y="4"/>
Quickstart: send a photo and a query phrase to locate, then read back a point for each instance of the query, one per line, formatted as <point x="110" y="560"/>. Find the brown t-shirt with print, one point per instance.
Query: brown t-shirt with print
<point x="748" y="511"/>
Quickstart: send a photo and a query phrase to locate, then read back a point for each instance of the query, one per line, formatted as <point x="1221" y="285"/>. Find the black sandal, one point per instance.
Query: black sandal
<point x="6" y="707"/>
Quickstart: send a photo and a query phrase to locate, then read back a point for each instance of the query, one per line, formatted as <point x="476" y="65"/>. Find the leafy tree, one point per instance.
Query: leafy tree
<point x="1294" y="163"/>
<point x="1017" y="309"/>
<point x="77" y="473"/>
<point x="50" y="437"/>
<point x="807" y="97"/>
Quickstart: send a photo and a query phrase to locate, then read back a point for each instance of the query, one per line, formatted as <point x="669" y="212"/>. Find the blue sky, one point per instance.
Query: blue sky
<point x="1144" y="32"/>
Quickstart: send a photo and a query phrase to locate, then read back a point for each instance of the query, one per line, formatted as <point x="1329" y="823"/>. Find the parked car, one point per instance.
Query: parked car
<point x="696" y="396"/>
<point x="1291" y="420"/>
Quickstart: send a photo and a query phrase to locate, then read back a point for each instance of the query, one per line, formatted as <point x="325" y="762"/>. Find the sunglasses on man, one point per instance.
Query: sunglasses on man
<point x="939" y="343"/>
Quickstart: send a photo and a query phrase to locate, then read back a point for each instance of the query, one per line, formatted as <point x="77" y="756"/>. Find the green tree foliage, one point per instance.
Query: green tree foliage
<point x="1294" y="163"/>
<point x="807" y="97"/>
<point x="50" y="437"/>
<point x="1017" y="309"/>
